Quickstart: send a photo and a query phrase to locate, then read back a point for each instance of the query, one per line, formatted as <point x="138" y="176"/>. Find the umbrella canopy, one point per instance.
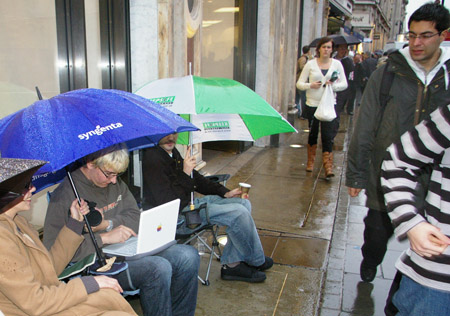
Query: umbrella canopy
<point x="338" y="40"/>
<point x="222" y="108"/>
<point x="72" y="125"/>
<point x="15" y="174"/>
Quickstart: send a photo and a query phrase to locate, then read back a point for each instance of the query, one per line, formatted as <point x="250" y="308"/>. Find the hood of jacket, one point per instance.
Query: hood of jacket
<point x="424" y="77"/>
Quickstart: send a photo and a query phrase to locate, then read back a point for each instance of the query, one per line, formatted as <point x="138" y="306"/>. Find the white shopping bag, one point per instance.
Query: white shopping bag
<point x="325" y="110"/>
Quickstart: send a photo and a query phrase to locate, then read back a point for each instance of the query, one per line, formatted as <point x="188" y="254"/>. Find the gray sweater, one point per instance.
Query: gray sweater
<point x="116" y="202"/>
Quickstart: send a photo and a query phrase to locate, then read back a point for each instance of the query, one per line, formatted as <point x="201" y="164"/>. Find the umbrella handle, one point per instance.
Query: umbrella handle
<point x="100" y="255"/>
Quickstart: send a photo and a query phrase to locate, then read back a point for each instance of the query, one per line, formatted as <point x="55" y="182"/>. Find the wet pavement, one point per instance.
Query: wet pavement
<point x="311" y="229"/>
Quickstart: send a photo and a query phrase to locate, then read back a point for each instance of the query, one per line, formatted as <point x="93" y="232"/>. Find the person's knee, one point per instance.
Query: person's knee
<point x="190" y="258"/>
<point x="161" y="271"/>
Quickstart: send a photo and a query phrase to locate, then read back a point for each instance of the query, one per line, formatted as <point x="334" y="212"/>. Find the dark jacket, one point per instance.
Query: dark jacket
<point x="349" y="68"/>
<point x="165" y="180"/>
<point x="377" y="128"/>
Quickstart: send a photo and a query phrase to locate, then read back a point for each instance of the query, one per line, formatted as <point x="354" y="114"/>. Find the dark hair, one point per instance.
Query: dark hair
<point x="322" y="41"/>
<point x="305" y="49"/>
<point x="432" y="12"/>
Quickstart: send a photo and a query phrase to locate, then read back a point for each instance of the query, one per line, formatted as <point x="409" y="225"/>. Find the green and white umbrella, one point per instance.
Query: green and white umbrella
<point x="222" y="108"/>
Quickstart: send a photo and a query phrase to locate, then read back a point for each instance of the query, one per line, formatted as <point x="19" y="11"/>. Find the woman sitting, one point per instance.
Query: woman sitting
<point x="29" y="282"/>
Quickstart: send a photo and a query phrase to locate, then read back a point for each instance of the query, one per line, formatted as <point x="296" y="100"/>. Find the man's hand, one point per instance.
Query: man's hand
<point x="354" y="192"/>
<point x="117" y="235"/>
<point x="105" y="282"/>
<point x="77" y="211"/>
<point x="189" y="162"/>
<point x="233" y="193"/>
<point x="427" y="240"/>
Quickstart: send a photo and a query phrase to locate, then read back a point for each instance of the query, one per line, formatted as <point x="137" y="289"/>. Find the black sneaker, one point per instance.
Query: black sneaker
<point x="265" y="266"/>
<point x="242" y="272"/>
<point x="367" y="273"/>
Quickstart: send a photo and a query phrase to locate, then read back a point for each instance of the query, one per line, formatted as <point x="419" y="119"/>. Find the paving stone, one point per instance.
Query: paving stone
<point x="361" y="298"/>
<point x="334" y="275"/>
<point x="329" y="312"/>
<point x="333" y="287"/>
<point x="336" y="263"/>
<point x="331" y="301"/>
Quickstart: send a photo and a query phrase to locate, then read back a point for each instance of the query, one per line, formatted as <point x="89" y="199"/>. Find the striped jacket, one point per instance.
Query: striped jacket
<point x="428" y="143"/>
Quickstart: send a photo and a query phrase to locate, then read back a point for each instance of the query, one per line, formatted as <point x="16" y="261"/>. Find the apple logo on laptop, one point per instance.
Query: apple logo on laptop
<point x="158" y="229"/>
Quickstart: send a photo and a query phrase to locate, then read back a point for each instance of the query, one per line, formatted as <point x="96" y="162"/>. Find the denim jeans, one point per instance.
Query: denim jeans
<point x="413" y="299"/>
<point x="243" y="242"/>
<point x="167" y="281"/>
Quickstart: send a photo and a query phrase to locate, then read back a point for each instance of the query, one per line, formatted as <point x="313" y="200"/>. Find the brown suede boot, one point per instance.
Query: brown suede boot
<point x="311" y="157"/>
<point x="327" y="158"/>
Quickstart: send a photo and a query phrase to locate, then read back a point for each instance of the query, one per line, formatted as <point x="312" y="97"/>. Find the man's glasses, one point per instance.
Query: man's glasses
<point x="425" y="36"/>
<point x="109" y="175"/>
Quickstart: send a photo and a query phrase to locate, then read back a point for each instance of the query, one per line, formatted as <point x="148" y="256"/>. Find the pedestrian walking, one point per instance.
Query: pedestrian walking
<point x="417" y="82"/>
<point x="314" y="77"/>
<point x="425" y="285"/>
<point x="300" y="96"/>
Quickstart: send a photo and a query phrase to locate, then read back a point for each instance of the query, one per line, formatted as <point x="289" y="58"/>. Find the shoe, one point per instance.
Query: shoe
<point x="265" y="266"/>
<point x="350" y="113"/>
<point x="242" y="272"/>
<point x="367" y="273"/>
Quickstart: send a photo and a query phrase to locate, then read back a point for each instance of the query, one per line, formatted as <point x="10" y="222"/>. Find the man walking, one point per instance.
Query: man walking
<point x="344" y="97"/>
<point x="420" y="83"/>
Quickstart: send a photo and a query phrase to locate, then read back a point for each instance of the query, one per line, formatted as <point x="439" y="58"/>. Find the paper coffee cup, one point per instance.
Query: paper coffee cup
<point x="244" y="187"/>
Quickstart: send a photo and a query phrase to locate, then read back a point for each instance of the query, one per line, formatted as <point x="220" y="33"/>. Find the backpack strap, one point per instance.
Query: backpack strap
<point x="386" y="84"/>
<point x="385" y="88"/>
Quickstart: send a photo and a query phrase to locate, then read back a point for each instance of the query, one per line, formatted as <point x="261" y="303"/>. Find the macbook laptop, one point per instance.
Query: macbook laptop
<point x="157" y="228"/>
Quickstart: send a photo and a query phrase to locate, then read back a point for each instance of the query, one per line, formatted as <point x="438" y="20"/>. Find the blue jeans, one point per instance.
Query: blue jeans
<point x="243" y="241"/>
<point x="413" y="299"/>
<point x="167" y="281"/>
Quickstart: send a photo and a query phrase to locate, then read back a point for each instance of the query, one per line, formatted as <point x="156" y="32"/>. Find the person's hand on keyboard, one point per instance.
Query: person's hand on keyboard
<point x="118" y="234"/>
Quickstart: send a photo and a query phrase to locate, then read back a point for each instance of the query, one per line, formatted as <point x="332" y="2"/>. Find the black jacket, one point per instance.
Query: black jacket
<point x="165" y="180"/>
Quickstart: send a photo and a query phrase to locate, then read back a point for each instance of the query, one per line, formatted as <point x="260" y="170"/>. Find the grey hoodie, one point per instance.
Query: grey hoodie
<point x="116" y="202"/>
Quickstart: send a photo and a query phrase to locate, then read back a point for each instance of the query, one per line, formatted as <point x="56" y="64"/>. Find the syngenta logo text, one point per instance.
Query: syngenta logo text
<point x="216" y="126"/>
<point x="99" y="130"/>
<point x="164" y="101"/>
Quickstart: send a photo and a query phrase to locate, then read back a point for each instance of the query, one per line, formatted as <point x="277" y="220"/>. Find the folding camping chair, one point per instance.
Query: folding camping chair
<point x="186" y="233"/>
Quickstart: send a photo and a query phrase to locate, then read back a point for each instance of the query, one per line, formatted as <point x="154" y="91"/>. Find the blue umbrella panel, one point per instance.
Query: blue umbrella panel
<point x="72" y="125"/>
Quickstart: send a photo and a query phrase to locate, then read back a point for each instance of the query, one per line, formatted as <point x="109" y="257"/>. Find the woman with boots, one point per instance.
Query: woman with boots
<point x="315" y="76"/>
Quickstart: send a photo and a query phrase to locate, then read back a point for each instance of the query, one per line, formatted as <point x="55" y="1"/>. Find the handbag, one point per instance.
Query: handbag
<point x="325" y="110"/>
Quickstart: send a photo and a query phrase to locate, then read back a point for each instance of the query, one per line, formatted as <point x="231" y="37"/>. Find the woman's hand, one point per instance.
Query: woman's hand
<point x="315" y="85"/>
<point x="105" y="282"/>
<point x="77" y="211"/>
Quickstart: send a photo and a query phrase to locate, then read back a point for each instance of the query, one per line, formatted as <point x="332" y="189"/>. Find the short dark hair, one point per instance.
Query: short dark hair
<point x="305" y="49"/>
<point x="432" y="12"/>
<point x="322" y="41"/>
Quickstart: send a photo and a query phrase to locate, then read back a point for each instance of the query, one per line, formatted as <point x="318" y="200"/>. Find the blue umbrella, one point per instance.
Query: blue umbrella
<point x="71" y="125"/>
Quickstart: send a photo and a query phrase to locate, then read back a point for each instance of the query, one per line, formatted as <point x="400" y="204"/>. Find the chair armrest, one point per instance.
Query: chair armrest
<point x="219" y="178"/>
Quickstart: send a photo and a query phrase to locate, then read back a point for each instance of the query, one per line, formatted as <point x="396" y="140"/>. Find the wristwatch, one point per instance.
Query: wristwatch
<point x="110" y="226"/>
